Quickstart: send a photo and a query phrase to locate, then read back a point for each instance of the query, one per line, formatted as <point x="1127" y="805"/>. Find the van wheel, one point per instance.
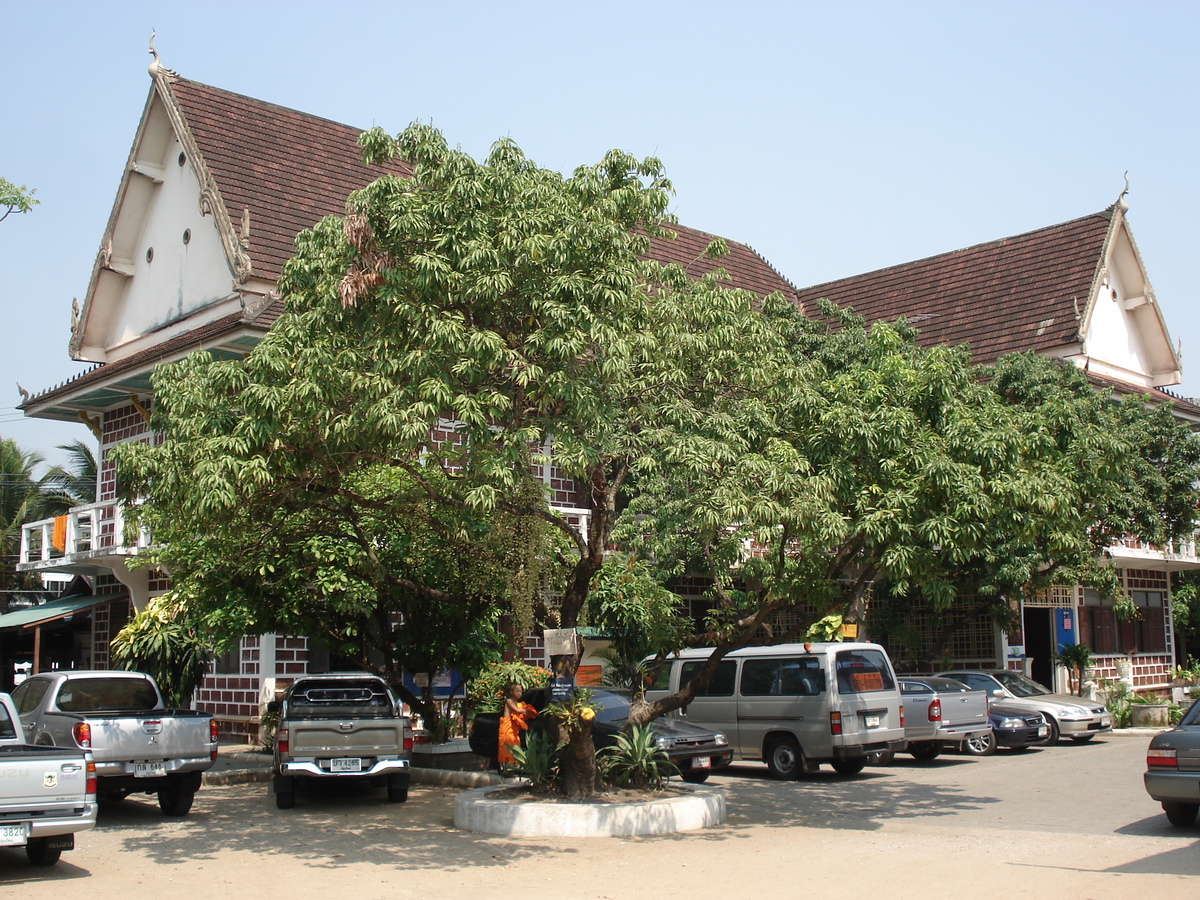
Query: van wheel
<point x="849" y="766"/>
<point x="925" y="751"/>
<point x="784" y="758"/>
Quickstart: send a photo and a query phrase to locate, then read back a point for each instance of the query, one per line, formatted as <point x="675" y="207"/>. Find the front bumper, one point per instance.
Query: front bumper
<point x="1088" y="725"/>
<point x="314" y="768"/>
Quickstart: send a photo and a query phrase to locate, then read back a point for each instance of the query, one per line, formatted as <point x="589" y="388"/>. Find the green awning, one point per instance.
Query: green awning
<point x="55" y="609"/>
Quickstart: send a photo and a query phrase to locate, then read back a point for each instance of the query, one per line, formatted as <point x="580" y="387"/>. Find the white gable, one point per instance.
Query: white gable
<point x="1126" y="337"/>
<point x="163" y="260"/>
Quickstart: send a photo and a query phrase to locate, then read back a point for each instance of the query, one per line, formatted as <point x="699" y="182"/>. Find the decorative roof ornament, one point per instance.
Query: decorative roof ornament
<point x="156" y="66"/>
<point x="1122" y="203"/>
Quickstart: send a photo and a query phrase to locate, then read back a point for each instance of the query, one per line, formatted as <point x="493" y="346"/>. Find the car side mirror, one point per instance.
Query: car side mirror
<point x="998" y="692"/>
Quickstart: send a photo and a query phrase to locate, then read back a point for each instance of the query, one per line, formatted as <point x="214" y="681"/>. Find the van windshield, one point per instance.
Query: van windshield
<point x="863" y="671"/>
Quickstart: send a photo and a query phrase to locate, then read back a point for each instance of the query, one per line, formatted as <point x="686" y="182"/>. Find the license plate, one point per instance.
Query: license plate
<point x="14" y="835"/>
<point x="1105" y="721"/>
<point x="871" y="721"/>
<point x="349" y="764"/>
<point x="149" y="770"/>
<point x="702" y="762"/>
<point x="1043" y="730"/>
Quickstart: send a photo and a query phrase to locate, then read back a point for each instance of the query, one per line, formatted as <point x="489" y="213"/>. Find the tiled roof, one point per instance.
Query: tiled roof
<point x="1026" y="292"/>
<point x="288" y="168"/>
<point x="1189" y="406"/>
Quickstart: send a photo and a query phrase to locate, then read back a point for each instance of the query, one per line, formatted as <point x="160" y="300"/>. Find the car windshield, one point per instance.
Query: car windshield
<point x="84" y="695"/>
<point x="1020" y="686"/>
<point x="610" y="707"/>
<point x="1193" y="716"/>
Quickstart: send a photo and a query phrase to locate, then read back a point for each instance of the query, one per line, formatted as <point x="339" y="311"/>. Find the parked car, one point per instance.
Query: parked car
<point x="695" y="749"/>
<point x="1173" y="769"/>
<point x="341" y="726"/>
<point x="138" y="744"/>
<point x="796" y="706"/>
<point x="1012" y="729"/>
<point x="941" y="711"/>
<point x="1066" y="715"/>
<point x="47" y="794"/>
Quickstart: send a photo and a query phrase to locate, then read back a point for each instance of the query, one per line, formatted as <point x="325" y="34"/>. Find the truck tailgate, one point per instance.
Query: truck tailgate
<point x="50" y="780"/>
<point x="161" y="734"/>
<point x="319" y="737"/>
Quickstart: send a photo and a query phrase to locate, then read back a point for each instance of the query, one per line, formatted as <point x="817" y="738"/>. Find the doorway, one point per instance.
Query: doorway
<point x="1039" y="644"/>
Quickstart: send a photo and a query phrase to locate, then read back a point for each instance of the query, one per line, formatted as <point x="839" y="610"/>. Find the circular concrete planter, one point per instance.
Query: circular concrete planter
<point x="1149" y="715"/>
<point x="478" y="811"/>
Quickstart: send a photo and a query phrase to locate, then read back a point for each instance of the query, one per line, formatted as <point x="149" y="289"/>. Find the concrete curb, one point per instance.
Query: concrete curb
<point x="699" y="808"/>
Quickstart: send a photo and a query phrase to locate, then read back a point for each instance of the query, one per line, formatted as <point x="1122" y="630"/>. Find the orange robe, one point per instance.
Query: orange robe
<point x="511" y="727"/>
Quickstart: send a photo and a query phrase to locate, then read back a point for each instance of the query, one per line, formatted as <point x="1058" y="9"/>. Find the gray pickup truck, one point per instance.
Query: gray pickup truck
<point x="139" y="745"/>
<point x="941" y="711"/>
<point x="340" y="726"/>
<point x="47" y="794"/>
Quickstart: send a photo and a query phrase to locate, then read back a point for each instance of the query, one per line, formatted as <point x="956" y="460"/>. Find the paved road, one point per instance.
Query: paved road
<point x="1065" y="821"/>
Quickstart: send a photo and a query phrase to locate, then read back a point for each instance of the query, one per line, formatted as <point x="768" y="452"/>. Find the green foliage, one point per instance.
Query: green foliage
<point x="15" y="199"/>
<point x="636" y="761"/>
<point x="1075" y="658"/>
<point x="574" y="715"/>
<point x="1189" y="671"/>
<point x="1118" y="699"/>
<point x="539" y="760"/>
<point x="486" y="689"/>
<point x="24" y="497"/>
<point x="75" y="483"/>
<point x="828" y="629"/>
<point x="163" y="641"/>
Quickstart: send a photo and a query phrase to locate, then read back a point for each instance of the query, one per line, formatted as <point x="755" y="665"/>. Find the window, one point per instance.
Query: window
<point x="863" y="671"/>
<point x="29" y="693"/>
<point x="1103" y="632"/>
<point x="786" y="677"/>
<point x="721" y="683"/>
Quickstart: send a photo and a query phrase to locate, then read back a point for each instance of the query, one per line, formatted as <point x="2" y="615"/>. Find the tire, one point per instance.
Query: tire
<point x="983" y="744"/>
<point x="285" y="799"/>
<point x="695" y="776"/>
<point x="397" y="788"/>
<point x="175" y="800"/>
<point x="925" y="751"/>
<point x="1181" y="814"/>
<point x="849" y="767"/>
<point x="1082" y="738"/>
<point x="1055" y="734"/>
<point x="40" y="854"/>
<point x="784" y="758"/>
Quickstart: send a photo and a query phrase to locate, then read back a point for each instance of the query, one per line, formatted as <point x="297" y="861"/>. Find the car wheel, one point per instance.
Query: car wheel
<point x="1082" y="738"/>
<point x="784" y="758"/>
<point x="849" y="766"/>
<point x="695" y="776"/>
<point x="39" y="853"/>
<point x="1052" y="738"/>
<point x="1181" y="814"/>
<point x="397" y="788"/>
<point x="981" y="744"/>
<point x="925" y="751"/>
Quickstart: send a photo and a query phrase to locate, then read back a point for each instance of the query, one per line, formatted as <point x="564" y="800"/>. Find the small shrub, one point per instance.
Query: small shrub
<point x="1117" y="699"/>
<point x="485" y="689"/>
<point x="539" y="760"/>
<point x="636" y="761"/>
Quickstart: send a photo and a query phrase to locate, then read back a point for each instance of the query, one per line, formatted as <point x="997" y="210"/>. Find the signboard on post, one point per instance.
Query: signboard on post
<point x="562" y="648"/>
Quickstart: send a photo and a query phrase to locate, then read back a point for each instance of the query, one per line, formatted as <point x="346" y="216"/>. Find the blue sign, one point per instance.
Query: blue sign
<point x="561" y="689"/>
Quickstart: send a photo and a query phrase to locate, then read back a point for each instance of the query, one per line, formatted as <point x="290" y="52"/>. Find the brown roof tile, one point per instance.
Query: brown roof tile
<point x="1019" y="293"/>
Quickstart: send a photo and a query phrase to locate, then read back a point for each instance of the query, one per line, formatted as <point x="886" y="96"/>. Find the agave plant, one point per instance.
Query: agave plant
<point x="636" y="761"/>
<point x="539" y="760"/>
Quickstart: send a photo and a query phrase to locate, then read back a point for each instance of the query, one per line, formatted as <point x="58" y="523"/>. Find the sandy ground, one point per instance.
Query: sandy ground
<point x="974" y="828"/>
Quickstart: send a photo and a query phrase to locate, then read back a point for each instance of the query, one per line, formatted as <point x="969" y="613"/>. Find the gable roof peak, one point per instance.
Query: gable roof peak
<point x="156" y="68"/>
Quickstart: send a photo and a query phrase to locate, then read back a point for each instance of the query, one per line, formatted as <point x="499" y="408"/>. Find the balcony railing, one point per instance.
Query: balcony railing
<point x="96" y="529"/>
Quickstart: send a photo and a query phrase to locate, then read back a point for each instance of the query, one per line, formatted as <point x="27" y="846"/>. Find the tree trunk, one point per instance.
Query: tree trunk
<point x="579" y="776"/>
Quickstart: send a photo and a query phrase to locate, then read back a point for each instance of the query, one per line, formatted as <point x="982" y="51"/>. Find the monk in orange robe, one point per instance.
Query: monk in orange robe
<point x="513" y="720"/>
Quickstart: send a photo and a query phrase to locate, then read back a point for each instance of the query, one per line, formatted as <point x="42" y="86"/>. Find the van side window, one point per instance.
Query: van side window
<point x="721" y="683"/>
<point x="863" y="671"/>
<point x="659" y="679"/>
<point x="786" y="677"/>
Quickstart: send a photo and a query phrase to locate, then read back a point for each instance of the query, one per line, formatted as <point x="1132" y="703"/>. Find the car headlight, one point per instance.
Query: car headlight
<point x="1012" y="724"/>
<point x="1071" y="712"/>
<point x="721" y="739"/>
<point x="664" y="743"/>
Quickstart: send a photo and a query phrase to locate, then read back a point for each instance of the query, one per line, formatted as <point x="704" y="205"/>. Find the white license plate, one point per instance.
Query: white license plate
<point x="348" y="764"/>
<point x="1043" y="730"/>
<point x="14" y="835"/>
<point x="149" y="770"/>
<point x="702" y="762"/>
<point x="1105" y="721"/>
<point x="871" y="721"/>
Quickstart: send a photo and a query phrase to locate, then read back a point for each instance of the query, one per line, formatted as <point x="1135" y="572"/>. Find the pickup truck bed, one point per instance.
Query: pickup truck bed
<point x="940" y="711"/>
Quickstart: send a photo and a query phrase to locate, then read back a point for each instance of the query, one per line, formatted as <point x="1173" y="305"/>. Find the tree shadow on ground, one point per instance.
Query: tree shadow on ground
<point x="330" y="827"/>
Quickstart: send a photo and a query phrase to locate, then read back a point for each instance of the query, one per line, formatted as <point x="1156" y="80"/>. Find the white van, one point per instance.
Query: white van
<point x="795" y="706"/>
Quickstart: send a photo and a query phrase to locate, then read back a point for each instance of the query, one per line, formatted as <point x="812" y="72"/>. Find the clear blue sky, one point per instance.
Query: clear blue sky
<point x="833" y="138"/>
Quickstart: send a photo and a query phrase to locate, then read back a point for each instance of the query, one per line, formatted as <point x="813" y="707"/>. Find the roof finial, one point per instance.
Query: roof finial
<point x="156" y="66"/>
<point x="1121" y="201"/>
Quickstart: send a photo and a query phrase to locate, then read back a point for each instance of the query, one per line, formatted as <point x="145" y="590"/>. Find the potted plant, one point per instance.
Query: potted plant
<point x="1077" y="660"/>
<point x="1149" y="711"/>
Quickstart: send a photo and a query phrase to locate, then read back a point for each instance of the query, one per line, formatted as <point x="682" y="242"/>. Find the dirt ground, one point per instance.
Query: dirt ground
<point x="948" y="831"/>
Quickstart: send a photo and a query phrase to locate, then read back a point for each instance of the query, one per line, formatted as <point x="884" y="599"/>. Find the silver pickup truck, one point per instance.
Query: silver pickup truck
<point x="340" y="726"/>
<point x="47" y="794"/>
<point x="139" y="746"/>
<point x="940" y="711"/>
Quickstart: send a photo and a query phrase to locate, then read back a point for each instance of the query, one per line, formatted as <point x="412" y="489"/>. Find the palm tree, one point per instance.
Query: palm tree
<point x="75" y="483"/>
<point x="24" y="497"/>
